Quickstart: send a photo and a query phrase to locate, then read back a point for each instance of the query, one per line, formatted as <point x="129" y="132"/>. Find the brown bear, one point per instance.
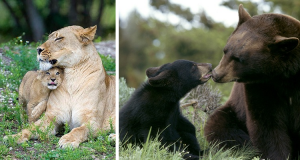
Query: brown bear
<point x="262" y="57"/>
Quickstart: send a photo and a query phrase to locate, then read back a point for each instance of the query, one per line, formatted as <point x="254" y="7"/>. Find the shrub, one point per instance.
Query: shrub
<point x="125" y="92"/>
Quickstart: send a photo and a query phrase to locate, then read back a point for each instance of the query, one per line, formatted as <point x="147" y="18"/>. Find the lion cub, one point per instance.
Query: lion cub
<point x="35" y="88"/>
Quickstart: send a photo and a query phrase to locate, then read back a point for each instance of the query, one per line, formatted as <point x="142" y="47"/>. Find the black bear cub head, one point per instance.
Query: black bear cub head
<point x="180" y="76"/>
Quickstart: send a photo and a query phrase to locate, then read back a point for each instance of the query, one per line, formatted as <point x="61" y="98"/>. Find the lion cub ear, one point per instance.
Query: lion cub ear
<point x="87" y="34"/>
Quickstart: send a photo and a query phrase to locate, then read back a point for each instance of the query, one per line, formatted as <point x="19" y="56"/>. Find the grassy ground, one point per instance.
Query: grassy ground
<point x="207" y="99"/>
<point x="17" y="58"/>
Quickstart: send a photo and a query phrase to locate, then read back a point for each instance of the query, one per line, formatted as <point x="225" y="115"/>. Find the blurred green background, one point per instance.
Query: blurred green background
<point x="36" y="18"/>
<point x="147" y="41"/>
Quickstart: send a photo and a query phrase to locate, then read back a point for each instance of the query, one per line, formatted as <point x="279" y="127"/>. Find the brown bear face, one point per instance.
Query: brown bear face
<point x="256" y="47"/>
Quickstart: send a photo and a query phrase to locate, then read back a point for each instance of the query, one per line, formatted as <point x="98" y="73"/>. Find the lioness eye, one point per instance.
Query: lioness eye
<point x="48" y="73"/>
<point x="59" y="38"/>
<point x="57" y="73"/>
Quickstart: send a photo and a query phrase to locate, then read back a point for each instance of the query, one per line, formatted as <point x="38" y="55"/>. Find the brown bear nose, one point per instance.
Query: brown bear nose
<point x="39" y="50"/>
<point x="52" y="79"/>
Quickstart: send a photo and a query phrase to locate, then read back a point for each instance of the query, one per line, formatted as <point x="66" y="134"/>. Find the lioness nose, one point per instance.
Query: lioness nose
<point x="52" y="79"/>
<point x="39" y="50"/>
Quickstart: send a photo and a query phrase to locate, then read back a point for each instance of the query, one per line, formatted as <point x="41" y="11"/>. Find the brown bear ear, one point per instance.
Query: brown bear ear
<point x="162" y="79"/>
<point x="150" y="72"/>
<point x="285" y="44"/>
<point x="87" y="34"/>
<point x="243" y="15"/>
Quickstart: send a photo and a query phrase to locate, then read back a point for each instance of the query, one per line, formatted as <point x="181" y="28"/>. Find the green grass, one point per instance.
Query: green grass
<point x="151" y="150"/>
<point x="20" y="57"/>
<point x="198" y="117"/>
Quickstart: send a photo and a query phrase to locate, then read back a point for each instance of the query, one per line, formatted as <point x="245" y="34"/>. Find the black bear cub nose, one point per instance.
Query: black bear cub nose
<point x="52" y="80"/>
<point x="39" y="50"/>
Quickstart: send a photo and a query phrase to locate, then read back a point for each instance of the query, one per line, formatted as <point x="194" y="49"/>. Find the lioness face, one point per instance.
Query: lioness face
<point x="52" y="78"/>
<point x="64" y="47"/>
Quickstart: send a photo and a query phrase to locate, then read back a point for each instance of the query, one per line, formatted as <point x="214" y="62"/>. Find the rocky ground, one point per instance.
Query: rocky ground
<point x="107" y="48"/>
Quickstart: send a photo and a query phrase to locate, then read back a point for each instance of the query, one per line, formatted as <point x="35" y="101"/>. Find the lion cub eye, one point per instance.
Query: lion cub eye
<point x="57" y="73"/>
<point x="48" y="73"/>
<point x="59" y="38"/>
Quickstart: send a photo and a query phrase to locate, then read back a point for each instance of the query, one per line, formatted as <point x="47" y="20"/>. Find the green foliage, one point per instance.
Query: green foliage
<point x="124" y="92"/>
<point x="16" y="58"/>
<point x="251" y="7"/>
<point x="3" y="150"/>
<point x="290" y="7"/>
<point x="108" y="62"/>
<point x="148" y="42"/>
<point x="52" y="15"/>
<point x="98" y="39"/>
<point x="66" y="128"/>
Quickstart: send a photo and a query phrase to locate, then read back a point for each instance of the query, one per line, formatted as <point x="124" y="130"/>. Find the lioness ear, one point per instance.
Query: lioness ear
<point x="243" y="15"/>
<point x="87" y="34"/>
<point x="285" y="44"/>
<point x="150" y="72"/>
<point x="162" y="79"/>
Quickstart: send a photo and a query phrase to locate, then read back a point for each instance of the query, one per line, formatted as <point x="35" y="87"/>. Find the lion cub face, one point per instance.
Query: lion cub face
<point x="51" y="78"/>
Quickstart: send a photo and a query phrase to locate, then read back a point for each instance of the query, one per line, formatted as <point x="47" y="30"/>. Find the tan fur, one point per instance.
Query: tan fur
<point x="34" y="91"/>
<point x="86" y="98"/>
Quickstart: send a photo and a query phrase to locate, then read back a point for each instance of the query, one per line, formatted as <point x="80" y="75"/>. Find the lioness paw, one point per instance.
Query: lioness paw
<point x="45" y="65"/>
<point x="68" y="141"/>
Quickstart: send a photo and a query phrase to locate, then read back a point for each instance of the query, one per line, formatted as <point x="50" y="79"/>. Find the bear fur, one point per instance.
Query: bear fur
<point x="262" y="57"/>
<point x="155" y="105"/>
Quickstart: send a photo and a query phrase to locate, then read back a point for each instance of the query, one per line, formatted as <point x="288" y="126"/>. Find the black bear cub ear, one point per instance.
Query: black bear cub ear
<point x="285" y="44"/>
<point x="162" y="79"/>
<point x="150" y="72"/>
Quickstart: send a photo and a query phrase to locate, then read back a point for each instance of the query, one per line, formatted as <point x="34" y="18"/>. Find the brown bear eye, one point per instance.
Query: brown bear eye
<point x="57" y="73"/>
<point x="48" y="73"/>
<point x="59" y="38"/>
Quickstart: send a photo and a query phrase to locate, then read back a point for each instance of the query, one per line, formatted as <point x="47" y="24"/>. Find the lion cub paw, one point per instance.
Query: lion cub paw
<point x="112" y="136"/>
<point x="68" y="141"/>
<point x="19" y="139"/>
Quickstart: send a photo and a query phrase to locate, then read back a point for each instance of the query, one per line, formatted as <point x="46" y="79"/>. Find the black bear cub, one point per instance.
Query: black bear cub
<point x="155" y="105"/>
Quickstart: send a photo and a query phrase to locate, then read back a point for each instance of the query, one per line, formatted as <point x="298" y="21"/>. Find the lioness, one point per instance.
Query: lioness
<point x="86" y="97"/>
<point x="35" y="88"/>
